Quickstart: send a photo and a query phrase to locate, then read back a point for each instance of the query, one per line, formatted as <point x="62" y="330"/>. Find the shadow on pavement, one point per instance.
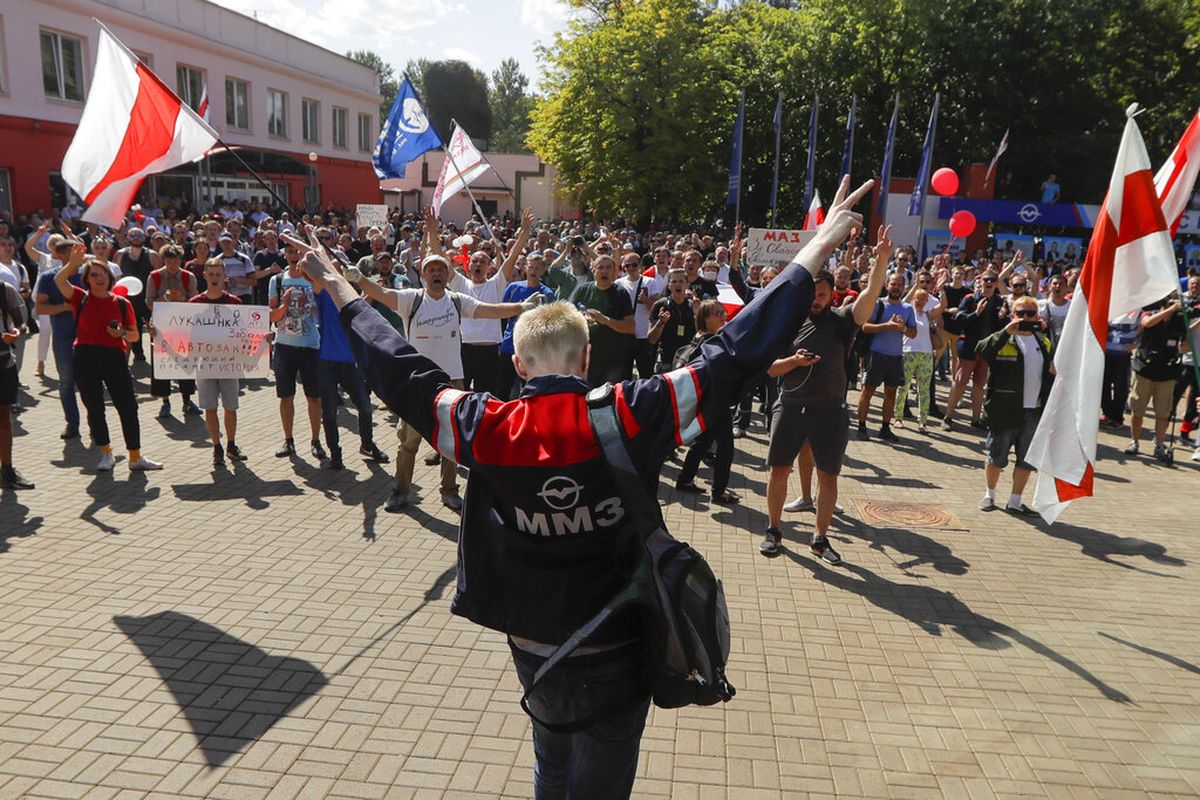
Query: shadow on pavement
<point x="921" y="549"/>
<point x="15" y="522"/>
<point x="122" y="497"/>
<point x="1167" y="657"/>
<point x="1103" y="546"/>
<point x="933" y="609"/>
<point x="234" y="483"/>
<point x="231" y="691"/>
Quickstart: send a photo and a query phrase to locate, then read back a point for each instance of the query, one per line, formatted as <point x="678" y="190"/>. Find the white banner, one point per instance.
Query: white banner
<point x="372" y="216"/>
<point x="211" y="340"/>
<point x="767" y="246"/>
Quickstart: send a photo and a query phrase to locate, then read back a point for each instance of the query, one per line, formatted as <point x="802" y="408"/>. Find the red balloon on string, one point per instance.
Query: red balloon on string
<point x="123" y="291"/>
<point x="945" y="182"/>
<point x="962" y="223"/>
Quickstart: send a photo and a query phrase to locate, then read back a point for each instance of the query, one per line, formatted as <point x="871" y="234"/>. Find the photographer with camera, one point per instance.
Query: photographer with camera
<point x="1019" y="376"/>
<point x="539" y="542"/>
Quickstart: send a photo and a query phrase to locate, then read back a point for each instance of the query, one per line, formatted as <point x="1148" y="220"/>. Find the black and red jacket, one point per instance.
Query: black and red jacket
<point x="543" y="524"/>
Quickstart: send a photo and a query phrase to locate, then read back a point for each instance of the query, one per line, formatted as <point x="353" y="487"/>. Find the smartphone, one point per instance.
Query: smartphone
<point x="1031" y="325"/>
<point x="113" y="324"/>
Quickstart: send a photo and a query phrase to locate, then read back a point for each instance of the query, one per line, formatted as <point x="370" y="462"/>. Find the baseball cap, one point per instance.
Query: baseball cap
<point x="225" y="237"/>
<point x="429" y="259"/>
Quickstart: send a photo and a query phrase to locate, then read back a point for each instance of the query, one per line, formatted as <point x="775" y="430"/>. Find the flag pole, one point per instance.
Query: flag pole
<point x="483" y="219"/>
<point x="737" y="206"/>
<point x="775" y="182"/>
<point x="283" y="203"/>
<point x="921" y="217"/>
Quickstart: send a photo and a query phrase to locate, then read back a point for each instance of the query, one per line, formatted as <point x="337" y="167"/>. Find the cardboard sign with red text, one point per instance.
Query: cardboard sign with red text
<point x="774" y="246"/>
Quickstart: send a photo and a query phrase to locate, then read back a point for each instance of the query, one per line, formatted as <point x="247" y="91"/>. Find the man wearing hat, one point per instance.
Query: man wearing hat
<point x="239" y="272"/>
<point x="138" y="261"/>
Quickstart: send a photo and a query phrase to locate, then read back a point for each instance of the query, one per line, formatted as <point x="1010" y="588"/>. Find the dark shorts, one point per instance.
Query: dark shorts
<point x="1001" y="441"/>
<point x="291" y="360"/>
<point x="9" y="384"/>
<point x="888" y="370"/>
<point x="827" y="431"/>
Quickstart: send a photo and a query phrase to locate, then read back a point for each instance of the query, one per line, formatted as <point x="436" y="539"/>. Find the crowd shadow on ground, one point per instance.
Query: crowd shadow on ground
<point x="120" y="496"/>
<point x="236" y="481"/>
<point x="15" y="522"/>
<point x="935" y="610"/>
<point x="1103" y="546"/>
<point x="230" y="691"/>
<point x="1159" y="654"/>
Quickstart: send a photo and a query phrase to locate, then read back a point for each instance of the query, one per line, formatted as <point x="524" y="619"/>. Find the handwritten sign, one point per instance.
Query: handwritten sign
<point x="372" y="216"/>
<point x="768" y="246"/>
<point x="208" y="340"/>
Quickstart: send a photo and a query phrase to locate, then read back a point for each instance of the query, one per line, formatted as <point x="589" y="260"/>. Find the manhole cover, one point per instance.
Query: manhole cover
<point x="906" y="515"/>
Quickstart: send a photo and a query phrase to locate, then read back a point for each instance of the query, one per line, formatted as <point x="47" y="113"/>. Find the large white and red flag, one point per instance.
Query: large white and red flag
<point x="462" y="165"/>
<point x="1176" y="178"/>
<point x="1130" y="263"/>
<point x="132" y="126"/>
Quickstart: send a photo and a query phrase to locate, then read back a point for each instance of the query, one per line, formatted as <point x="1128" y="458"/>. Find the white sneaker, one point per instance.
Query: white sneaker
<point x="1196" y="455"/>
<point x="800" y="504"/>
<point x="987" y="503"/>
<point x="107" y="461"/>
<point x="144" y="464"/>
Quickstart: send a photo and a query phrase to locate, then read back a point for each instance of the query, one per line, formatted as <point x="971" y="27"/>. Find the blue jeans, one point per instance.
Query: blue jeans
<point x="329" y="375"/>
<point x="600" y="761"/>
<point x="64" y="363"/>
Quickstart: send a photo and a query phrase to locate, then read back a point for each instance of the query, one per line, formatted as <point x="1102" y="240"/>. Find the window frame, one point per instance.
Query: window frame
<point x="283" y="101"/>
<point x="340" y="142"/>
<point x="310" y="120"/>
<point x="365" y="145"/>
<point x="81" y="64"/>
<point x="192" y="103"/>
<point x="233" y="126"/>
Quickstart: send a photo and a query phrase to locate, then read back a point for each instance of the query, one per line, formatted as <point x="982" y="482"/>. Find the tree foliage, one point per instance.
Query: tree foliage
<point x="389" y="86"/>
<point x="454" y="90"/>
<point x="641" y="94"/>
<point x="511" y="103"/>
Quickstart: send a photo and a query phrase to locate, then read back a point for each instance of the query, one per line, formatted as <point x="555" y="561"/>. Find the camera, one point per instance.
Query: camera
<point x="1030" y="325"/>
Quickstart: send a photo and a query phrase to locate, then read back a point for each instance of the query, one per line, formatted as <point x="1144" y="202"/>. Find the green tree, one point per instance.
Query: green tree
<point x="511" y="104"/>
<point x="453" y="90"/>
<point x="388" y="85"/>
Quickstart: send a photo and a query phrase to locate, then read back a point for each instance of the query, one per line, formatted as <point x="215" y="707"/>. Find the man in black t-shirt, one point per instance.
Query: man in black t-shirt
<point x="811" y="409"/>
<point x="610" y="323"/>
<point x="701" y="287"/>
<point x="1155" y="371"/>
<point x="267" y="262"/>
<point x="674" y="320"/>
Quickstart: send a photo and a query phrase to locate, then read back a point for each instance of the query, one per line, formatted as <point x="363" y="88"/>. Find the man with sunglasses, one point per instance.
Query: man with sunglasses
<point x="1017" y="387"/>
<point x="979" y="315"/>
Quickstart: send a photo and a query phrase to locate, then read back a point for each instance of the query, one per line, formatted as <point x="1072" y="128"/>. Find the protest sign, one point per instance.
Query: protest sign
<point x="937" y="242"/>
<point x="210" y="340"/>
<point x="372" y="216"/>
<point x="768" y="246"/>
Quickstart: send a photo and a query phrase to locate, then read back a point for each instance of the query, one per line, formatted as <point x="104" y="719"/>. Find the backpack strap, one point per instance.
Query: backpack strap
<point x="412" y="312"/>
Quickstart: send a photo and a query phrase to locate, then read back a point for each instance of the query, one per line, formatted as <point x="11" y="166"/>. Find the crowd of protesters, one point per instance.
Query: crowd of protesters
<point x="976" y="330"/>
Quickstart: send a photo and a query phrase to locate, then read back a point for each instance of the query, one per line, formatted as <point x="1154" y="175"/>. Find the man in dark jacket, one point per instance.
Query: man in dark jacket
<point x="978" y="316"/>
<point x="1019" y="376"/>
<point x="544" y="527"/>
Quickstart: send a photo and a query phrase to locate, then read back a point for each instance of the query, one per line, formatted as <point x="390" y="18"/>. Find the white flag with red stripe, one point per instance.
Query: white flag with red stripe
<point x="462" y="165"/>
<point x="1130" y="263"/>
<point x="202" y="108"/>
<point x="131" y="127"/>
<point x="815" y="215"/>
<point x="1176" y="178"/>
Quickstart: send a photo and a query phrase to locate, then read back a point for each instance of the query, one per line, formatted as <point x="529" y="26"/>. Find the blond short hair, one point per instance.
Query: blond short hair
<point x="1025" y="300"/>
<point x="550" y="339"/>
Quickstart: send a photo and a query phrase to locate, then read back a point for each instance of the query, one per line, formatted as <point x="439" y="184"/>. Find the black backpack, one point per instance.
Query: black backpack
<point x="685" y="622"/>
<point x="861" y="345"/>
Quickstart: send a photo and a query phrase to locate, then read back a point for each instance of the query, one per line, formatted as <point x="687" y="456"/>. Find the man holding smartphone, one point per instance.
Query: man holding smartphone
<point x="1019" y="377"/>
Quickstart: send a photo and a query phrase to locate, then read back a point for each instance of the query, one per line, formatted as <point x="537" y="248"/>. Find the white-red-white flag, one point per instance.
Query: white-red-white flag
<point x="996" y="158"/>
<point x="1130" y="264"/>
<point x="815" y="215"/>
<point x="202" y="109"/>
<point x="462" y="165"/>
<point x="131" y="127"/>
<point x="1177" y="177"/>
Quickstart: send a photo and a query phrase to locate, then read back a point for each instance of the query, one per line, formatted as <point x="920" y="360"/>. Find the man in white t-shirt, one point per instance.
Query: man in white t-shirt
<point x="1053" y="309"/>
<point x="643" y="292"/>
<point x="433" y="317"/>
<point x="481" y="337"/>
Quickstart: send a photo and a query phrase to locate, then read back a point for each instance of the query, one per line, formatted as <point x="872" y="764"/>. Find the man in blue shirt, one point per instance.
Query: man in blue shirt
<point x="891" y="320"/>
<point x="50" y="301"/>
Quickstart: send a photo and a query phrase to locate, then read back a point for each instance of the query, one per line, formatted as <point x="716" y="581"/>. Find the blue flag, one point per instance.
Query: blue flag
<point x="778" y="122"/>
<point x="885" y="177"/>
<point x="917" y="203"/>
<point x="811" y="165"/>
<point x="734" y="195"/>
<point x="848" y="153"/>
<point x="406" y="135"/>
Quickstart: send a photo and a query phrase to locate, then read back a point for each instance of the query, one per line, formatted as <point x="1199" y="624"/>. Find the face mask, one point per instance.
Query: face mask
<point x="709" y="275"/>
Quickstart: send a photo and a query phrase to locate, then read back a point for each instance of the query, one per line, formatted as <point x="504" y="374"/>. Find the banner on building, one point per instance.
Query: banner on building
<point x="209" y="340"/>
<point x="768" y="246"/>
<point x="1062" y="248"/>
<point x="936" y="242"/>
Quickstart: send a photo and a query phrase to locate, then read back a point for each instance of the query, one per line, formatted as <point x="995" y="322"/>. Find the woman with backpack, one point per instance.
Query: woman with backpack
<point x="709" y="321"/>
<point x="105" y="326"/>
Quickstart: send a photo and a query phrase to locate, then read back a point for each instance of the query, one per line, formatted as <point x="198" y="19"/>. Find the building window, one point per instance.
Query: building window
<point x="276" y="113"/>
<point x="3" y="66"/>
<point x="145" y="58"/>
<point x="364" y="132"/>
<point x="309" y="116"/>
<point x="191" y="85"/>
<point x="237" y="104"/>
<point x="5" y="192"/>
<point x="62" y="66"/>
<point x="339" y="127"/>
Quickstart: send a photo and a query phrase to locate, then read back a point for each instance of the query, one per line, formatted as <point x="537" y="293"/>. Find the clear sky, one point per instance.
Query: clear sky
<point x="480" y="32"/>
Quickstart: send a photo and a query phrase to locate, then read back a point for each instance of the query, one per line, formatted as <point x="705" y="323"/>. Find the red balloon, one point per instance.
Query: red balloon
<point x="123" y="291"/>
<point x="945" y="182"/>
<point x="962" y="223"/>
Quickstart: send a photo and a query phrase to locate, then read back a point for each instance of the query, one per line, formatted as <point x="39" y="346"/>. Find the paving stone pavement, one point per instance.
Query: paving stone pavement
<point x="268" y="631"/>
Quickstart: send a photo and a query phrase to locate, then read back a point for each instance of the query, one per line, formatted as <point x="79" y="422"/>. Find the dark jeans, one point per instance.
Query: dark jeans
<point x="600" y="761"/>
<point x="720" y="433"/>
<point x="162" y="388"/>
<point x="1187" y="380"/>
<point x="481" y="368"/>
<point x="510" y="384"/>
<point x="1115" y="389"/>
<point x="99" y="368"/>
<point x="330" y="375"/>
<point x="64" y="363"/>
<point x="643" y="357"/>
